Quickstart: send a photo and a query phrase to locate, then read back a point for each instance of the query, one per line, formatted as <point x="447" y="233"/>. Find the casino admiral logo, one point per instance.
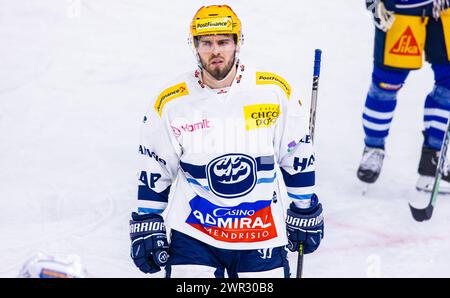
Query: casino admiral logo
<point x="246" y="222"/>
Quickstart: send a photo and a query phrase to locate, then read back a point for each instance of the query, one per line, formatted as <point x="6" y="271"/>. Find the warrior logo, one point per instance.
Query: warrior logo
<point x="266" y="253"/>
<point x="232" y="175"/>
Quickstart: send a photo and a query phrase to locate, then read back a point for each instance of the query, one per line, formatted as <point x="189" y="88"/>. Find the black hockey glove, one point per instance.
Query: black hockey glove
<point x="149" y="244"/>
<point x="305" y="226"/>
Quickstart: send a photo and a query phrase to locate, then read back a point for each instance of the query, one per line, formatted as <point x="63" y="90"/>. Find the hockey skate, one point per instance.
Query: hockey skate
<point x="371" y="163"/>
<point x="427" y="170"/>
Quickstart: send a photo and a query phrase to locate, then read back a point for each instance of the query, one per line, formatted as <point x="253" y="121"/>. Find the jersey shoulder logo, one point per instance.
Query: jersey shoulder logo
<point x="170" y="94"/>
<point x="263" y="78"/>
<point x="406" y="45"/>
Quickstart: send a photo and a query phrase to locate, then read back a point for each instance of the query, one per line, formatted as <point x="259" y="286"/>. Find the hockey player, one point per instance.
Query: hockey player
<point x="222" y="131"/>
<point x="405" y="29"/>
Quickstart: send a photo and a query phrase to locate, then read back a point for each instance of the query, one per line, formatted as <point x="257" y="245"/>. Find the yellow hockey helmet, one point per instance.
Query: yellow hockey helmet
<point x="216" y="19"/>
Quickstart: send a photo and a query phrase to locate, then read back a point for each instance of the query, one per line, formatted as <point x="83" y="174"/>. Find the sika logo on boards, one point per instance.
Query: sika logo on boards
<point x="406" y="45"/>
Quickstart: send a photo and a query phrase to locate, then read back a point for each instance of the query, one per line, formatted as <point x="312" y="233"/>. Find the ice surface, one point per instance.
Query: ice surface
<point x="76" y="77"/>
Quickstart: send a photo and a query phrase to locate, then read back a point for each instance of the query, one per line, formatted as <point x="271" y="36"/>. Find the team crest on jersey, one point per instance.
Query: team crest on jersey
<point x="261" y="115"/>
<point x="406" y="45"/>
<point x="170" y="94"/>
<point x="246" y="222"/>
<point x="263" y="78"/>
<point x="232" y="175"/>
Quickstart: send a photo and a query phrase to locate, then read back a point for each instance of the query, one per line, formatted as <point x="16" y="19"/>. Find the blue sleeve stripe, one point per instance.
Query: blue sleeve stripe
<point x="299" y="179"/>
<point x="150" y="210"/>
<point x="198" y="172"/>
<point x="300" y="197"/>
<point x="267" y="180"/>
<point x="193" y="181"/>
<point x="147" y="194"/>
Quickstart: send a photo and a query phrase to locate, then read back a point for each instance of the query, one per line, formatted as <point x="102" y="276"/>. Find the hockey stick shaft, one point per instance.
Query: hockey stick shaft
<point x="315" y="91"/>
<point x="312" y="123"/>
<point x="427" y="212"/>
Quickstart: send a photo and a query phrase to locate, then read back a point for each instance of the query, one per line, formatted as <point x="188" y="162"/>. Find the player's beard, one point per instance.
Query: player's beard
<point x="217" y="72"/>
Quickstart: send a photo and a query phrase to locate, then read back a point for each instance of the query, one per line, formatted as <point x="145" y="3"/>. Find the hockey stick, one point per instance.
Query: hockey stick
<point x="312" y="123"/>
<point x="427" y="212"/>
<point x="315" y="89"/>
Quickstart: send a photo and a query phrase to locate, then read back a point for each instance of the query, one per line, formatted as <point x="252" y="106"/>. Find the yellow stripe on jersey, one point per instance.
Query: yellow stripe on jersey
<point x="271" y="78"/>
<point x="170" y="94"/>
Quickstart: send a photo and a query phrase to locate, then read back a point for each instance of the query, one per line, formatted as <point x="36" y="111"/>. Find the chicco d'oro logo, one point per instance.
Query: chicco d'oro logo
<point x="263" y="78"/>
<point x="261" y="115"/>
<point x="232" y="175"/>
<point x="170" y="94"/>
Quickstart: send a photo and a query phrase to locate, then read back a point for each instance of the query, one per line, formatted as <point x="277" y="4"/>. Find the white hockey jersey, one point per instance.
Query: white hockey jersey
<point x="221" y="149"/>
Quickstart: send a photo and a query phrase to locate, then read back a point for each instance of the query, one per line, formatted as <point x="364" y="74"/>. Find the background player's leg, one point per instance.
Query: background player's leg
<point x="378" y="113"/>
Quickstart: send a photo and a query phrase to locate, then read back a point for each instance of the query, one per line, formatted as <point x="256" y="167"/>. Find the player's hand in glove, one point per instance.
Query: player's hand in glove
<point x="305" y="226"/>
<point x="382" y="18"/>
<point x="149" y="244"/>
